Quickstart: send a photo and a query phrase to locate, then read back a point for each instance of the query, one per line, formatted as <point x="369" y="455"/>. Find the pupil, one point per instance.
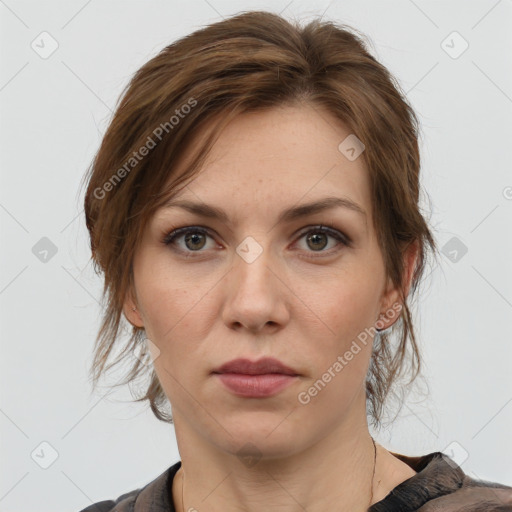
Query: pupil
<point x="314" y="237"/>
<point x="192" y="238"/>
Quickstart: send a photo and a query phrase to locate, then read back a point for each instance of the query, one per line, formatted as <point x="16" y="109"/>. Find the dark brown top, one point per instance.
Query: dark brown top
<point x="439" y="485"/>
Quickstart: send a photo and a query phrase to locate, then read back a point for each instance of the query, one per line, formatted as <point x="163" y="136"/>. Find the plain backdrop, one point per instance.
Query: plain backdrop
<point x="453" y="60"/>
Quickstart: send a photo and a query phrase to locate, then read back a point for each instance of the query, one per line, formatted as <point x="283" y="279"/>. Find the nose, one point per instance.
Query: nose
<point x="256" y="296"/>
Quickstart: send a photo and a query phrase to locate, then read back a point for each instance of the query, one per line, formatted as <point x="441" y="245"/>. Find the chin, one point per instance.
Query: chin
<point x="266" y="436"/>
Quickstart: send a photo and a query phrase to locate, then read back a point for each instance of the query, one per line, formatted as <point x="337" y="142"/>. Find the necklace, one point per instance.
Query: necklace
<point x="371" y="484"/>
<point x="373" y="475"/>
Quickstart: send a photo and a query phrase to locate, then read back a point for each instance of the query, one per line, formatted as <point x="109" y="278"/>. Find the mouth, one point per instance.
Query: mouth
<point x="263" y="366"/>
<point x="263" y="378"/>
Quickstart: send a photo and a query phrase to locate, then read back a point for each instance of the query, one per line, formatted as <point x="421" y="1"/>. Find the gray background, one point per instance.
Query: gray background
<point x="54" y="111"/>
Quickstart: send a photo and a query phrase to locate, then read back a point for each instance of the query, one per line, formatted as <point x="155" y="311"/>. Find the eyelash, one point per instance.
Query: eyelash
<point x="344" y="240"/>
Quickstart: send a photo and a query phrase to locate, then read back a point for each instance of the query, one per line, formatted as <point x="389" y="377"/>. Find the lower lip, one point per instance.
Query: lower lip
<point x="256" y="386"/>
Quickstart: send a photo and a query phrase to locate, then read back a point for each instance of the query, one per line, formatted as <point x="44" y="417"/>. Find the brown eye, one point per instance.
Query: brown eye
<point x="194" y="239"/>
<point x="317" y="239"/>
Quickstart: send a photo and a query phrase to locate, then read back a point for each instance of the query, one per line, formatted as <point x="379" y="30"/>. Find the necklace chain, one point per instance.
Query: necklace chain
<point x="371" y="484"/>
<point x="373" y="474"/>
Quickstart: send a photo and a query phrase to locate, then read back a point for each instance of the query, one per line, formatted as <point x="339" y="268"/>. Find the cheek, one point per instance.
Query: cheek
<point x="177" y="319"/>
<point x="347" y="310"/>
<point x="347" y="304"/>
<point x="164" y="294"/>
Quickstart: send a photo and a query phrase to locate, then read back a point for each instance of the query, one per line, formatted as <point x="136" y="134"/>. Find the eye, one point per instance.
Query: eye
<point x="317" y="239"/>
<point x="195" y="238"/>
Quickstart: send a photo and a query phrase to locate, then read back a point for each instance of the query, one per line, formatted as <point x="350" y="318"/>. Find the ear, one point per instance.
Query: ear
<point x="392" y="297"/>
<point x="130" y="310"/>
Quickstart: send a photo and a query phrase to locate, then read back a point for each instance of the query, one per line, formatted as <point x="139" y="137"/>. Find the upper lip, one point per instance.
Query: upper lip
<point x="259" y="367"/>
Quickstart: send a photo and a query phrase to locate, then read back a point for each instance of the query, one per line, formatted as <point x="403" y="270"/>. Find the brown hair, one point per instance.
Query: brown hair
<point x="250" y="62"/>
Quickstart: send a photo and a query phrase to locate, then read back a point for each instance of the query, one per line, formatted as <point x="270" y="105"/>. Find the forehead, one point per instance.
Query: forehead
<point x="279" y="157"/>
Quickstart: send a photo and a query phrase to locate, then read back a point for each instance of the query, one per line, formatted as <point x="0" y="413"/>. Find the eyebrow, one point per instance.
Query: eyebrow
<point x="288" y="215"/>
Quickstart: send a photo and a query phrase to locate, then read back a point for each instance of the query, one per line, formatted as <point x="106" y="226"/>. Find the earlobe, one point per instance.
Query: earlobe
<point x="392" y="296"/>
<point x="411" y="258"/>
<point x="131" y="312"/>
<point x="387" y="314"/>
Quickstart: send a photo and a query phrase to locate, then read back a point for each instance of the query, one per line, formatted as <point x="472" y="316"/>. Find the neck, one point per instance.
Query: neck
<point x="338" y="472"/>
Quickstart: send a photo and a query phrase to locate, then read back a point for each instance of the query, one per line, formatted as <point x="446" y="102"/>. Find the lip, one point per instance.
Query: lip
<point x="260" y="367"/>
<point x="259" y="379"/>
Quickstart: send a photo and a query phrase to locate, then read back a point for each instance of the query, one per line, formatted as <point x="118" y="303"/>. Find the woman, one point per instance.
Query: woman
<point x="254" y="209"/>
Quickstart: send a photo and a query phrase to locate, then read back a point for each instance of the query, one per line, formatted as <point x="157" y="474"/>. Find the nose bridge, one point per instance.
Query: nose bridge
<point x="252" y="261"/>
<point x="253" y="297"/>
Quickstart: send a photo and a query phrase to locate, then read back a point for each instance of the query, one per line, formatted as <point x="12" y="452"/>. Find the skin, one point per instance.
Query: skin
<point x="301" y="301"/>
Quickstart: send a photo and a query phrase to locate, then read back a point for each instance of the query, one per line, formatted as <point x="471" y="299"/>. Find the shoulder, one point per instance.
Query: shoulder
<point x="121" y="504"/>
<point x="474" y="496"/>
<point x="440" y="485"/>
<point x="154" y="496"/>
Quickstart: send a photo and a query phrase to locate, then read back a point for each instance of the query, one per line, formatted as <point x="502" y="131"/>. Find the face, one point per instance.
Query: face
<point x="255" y="284"/>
